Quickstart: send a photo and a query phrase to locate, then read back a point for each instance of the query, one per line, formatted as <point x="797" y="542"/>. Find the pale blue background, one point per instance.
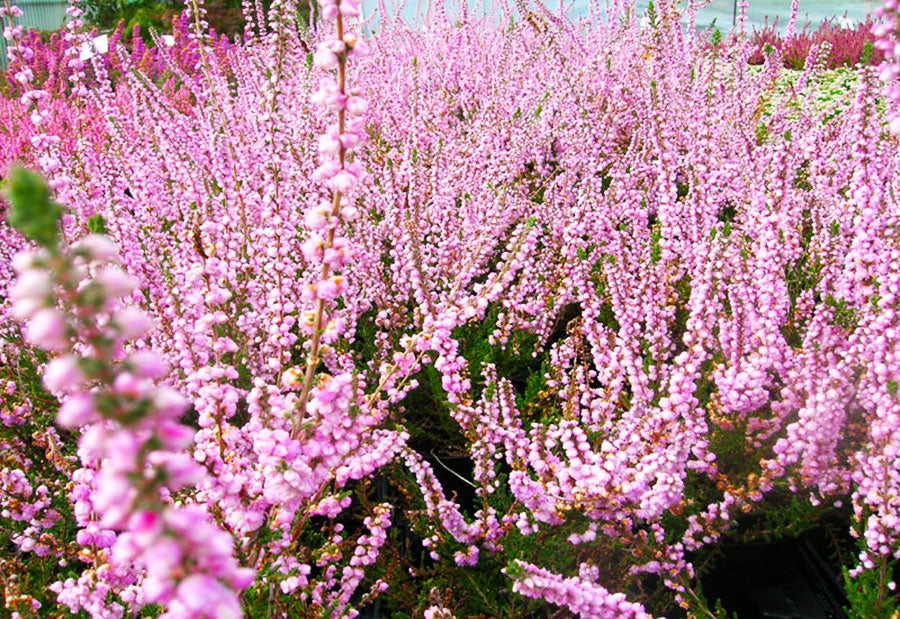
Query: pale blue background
<point x="812" y="11"/>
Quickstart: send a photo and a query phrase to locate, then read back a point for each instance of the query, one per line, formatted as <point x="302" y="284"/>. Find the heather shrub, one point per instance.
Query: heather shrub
<point x="848" y="47"/>
<point x="454" y="320"/>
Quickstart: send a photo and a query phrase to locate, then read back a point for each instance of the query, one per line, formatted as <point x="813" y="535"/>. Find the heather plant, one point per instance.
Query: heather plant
<point x="643" y="290"/>
<point x="848" y="46"/>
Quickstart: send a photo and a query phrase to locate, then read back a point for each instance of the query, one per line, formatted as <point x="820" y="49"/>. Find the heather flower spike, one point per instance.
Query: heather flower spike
<point x="337" y="172"/>
<point x="644" y="285"/>
<point x="131" y="442"/>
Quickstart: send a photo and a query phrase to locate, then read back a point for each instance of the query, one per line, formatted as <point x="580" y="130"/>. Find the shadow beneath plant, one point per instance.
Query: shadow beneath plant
<point x="790" y="578"/>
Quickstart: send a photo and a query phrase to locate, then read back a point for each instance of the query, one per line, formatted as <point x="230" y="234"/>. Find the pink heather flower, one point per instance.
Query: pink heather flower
<point x="49" y="164"/>
<point x="24" y="260"/>
<point x="348" y="8"/>
<point x="205" y="596"/>
<point x="174" y="436"/>
<point x="62" y="374"/>
<point x="181" y="469"/>
<point x="31" y="284"/>
<point x="313" y="248"/>
<point x="329" y="144"/>
<point x="350" y="140"/>
<point x="332" y="287"/>
<point x="324" y="58"/>
<point x="26" y="308"/>
<point x="145" y="525"/>
<point x="327" y="89"/>
<point x="326" y="171"/>
<point x="98" y="247"/>
<point x="339" y="253"/>
<point x="318" y="217"/>
<point x="360" y="49"/>
<point x="47" y="329"/>
<point x="357" y="105"/>
<point x="292" y="378"/>
<point x="113" y="499"/>
<point x="130" y="385"/>
<point x="343" y="181"/>
<point x="148" y="364"/>
<point x="132" y="323"/>
<point x="333" y="329"/>
<point x="169" y="403"/>
<point x="329" y="12"/>
<point x="77" y="411"/>
<point x="217" y="296"/>
<point x="116" y="282"/>
<point x="310" y="292"/>
<point x="157" y="590"/>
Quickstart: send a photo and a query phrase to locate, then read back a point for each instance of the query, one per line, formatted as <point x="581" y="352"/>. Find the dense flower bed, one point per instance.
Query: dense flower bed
<point x="646" y="291"/>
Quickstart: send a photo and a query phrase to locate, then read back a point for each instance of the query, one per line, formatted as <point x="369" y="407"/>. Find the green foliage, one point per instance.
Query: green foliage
<point x="145" y="13"/>
<point x="97" y="224"/>
<point x="866" y="55"/>
<point x="867" y="592"/>
<point x="844" y="315"/>
<point x="31" y="211"/>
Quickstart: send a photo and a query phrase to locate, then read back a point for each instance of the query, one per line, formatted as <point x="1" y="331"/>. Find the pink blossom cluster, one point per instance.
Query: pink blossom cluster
<point x="130" y="436"/>
<point x="696" y="265"/>
<point x="579" y="594"/>
<point x="887" y="41"/>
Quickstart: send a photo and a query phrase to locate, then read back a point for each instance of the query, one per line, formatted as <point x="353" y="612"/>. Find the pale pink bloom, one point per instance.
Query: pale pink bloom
<point x="24" y="260"/>
<point x="47" y="329"/>
<point x="98" y="247"/>
<point x="325" y="58"/>
<point x="146" y="526"/>
<point x="207" y="597"/>
<point x="330" y="12"/>
<point x="313" y="248"/>
<point x="116" y="282"/>
<point x="329" y="144"/>
<point x="349" y="8"/>
<point x="132" y="323"/>
<point x="169" y="403"/>
<point x="148" y="364"/>
<point x="174" y="436"/>
<point x="318" y="217"/>
<point x="77" y="411"/>
<point x="62" y="374"/>
<point x="357" y="105"/>
<point x="326" y="171"/>
<point x="31" y="284"/>
<point x="343" y="181"/>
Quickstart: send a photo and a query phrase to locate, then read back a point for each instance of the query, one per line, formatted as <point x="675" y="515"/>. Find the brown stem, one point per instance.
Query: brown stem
<point x="312" y="361"/>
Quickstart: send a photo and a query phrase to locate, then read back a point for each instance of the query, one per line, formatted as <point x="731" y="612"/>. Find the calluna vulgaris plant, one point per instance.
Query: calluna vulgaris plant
<point x="647" y="292"/>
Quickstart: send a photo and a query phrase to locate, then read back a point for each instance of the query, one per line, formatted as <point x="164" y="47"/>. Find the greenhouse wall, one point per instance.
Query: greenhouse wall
<point x="38" y="14"/>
